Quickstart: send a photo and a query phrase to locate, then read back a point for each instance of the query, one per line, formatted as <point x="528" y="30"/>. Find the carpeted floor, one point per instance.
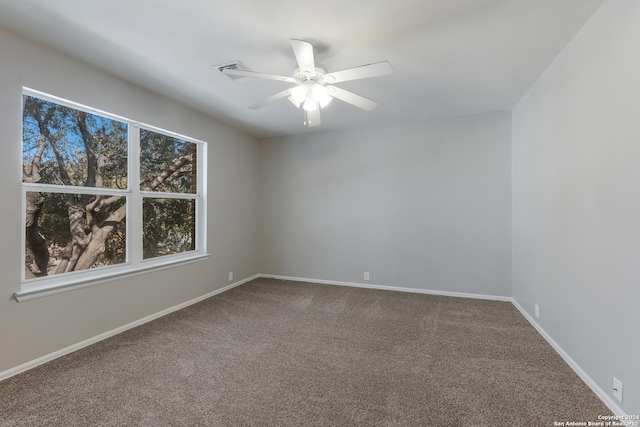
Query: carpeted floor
<point x="279" y="353"/>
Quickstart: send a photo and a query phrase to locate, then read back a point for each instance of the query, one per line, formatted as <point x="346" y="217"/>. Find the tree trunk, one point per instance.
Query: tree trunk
<point x="79" y="238"/>
<point x="64" y="262"/>
<point x="36" y="242"/>
<point x="99" y="234"/>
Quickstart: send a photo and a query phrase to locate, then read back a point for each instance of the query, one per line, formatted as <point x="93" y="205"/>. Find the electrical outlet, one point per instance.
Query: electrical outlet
<point x="537" y="309"/>
<point x="230" y="276"/>
<point x="366" y="276"/>
<point x="617" y="389"/>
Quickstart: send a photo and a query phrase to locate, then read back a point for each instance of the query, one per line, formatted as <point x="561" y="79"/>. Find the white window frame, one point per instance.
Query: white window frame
<point x="134" y="263"/>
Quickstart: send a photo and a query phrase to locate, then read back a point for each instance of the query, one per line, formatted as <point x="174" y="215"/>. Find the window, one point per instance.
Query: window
<point x="103" y="195"/>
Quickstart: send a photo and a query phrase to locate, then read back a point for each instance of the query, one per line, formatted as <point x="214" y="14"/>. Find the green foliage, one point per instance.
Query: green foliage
<point x="158" y="153"/>
<point x="168" y="226"/>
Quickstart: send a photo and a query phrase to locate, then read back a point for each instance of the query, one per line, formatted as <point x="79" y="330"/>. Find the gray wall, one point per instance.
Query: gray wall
<point x="576" y="199"/>
<point x="35" y="328"/>
<point x="424" y="205"/>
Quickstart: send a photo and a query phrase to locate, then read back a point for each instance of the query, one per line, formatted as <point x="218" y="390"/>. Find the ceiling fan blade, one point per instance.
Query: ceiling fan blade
<point x="312" y="118"/>
<point x="361" y="72"/>
<point x="272" y="98"/>
<point x="259" y="75"/>
<point x="304" y="55"/>
<point x="352" y="98"/>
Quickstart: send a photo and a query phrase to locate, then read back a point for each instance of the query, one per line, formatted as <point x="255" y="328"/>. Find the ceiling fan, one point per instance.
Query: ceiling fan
<point x="314" y="88"/>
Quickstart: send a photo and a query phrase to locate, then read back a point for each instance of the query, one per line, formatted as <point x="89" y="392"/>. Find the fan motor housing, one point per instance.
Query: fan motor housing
<point x="318" y="76"/>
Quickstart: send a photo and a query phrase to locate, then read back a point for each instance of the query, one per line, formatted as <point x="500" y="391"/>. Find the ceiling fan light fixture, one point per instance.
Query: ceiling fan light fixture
<point x="310" y="104"/>
<point x="314" y="87"/>
<point x="299" y="93"/>
<point x="321" y="94"/>
<point x="311" y="94"/>
<point x="325" y="102"/>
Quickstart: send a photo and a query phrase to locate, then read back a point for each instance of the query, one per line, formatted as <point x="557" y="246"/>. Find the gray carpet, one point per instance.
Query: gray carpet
<point x="279" y="353"/>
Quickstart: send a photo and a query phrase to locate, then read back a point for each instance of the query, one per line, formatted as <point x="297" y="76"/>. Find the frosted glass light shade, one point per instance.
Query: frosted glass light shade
<point x="310" y="105"/>
<point x="311" y="95"/>
<point x="321" y="95"/>
<point x="299" y="93"/>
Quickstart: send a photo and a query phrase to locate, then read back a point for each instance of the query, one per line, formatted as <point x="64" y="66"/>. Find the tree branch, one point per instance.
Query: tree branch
<point x="33" y="175"/>
<point x="87" y="139"/>
<point x="79" y="238"/>
<point x="44" y="130"/>
<point x="96" y="245"/>
<point x="170" y="172"/>
<point x="100" y="202"/>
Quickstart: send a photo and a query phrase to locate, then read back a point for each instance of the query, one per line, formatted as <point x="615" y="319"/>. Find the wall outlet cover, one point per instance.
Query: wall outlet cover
<point x="617" y="389"/>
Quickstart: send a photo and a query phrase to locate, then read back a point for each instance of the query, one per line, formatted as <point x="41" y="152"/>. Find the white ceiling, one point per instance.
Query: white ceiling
<point x="451" y="57"/>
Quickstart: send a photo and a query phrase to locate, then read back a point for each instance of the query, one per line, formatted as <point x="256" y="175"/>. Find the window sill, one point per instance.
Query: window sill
<point x="45" y="290"/>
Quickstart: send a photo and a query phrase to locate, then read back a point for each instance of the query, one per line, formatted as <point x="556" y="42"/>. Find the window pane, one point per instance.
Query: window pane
<point x="72" y="232"/>
<point x="168" y="226"/>
<point x="64" y="146"/>
<point x="167" y="163"/>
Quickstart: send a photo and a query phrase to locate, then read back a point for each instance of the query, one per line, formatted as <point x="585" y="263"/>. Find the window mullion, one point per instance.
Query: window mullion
<point x="134" y="225"/>
<point x="53" y="188"/>
<point x="201" y="205"/>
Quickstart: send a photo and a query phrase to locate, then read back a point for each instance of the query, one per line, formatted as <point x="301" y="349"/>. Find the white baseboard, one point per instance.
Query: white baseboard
<point x="389" y="288"/>
<point x="608" y="400"/>
<point x="74" y="347"/>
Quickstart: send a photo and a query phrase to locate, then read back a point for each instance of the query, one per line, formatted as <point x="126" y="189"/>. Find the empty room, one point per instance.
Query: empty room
<point x="367" y="213"/>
